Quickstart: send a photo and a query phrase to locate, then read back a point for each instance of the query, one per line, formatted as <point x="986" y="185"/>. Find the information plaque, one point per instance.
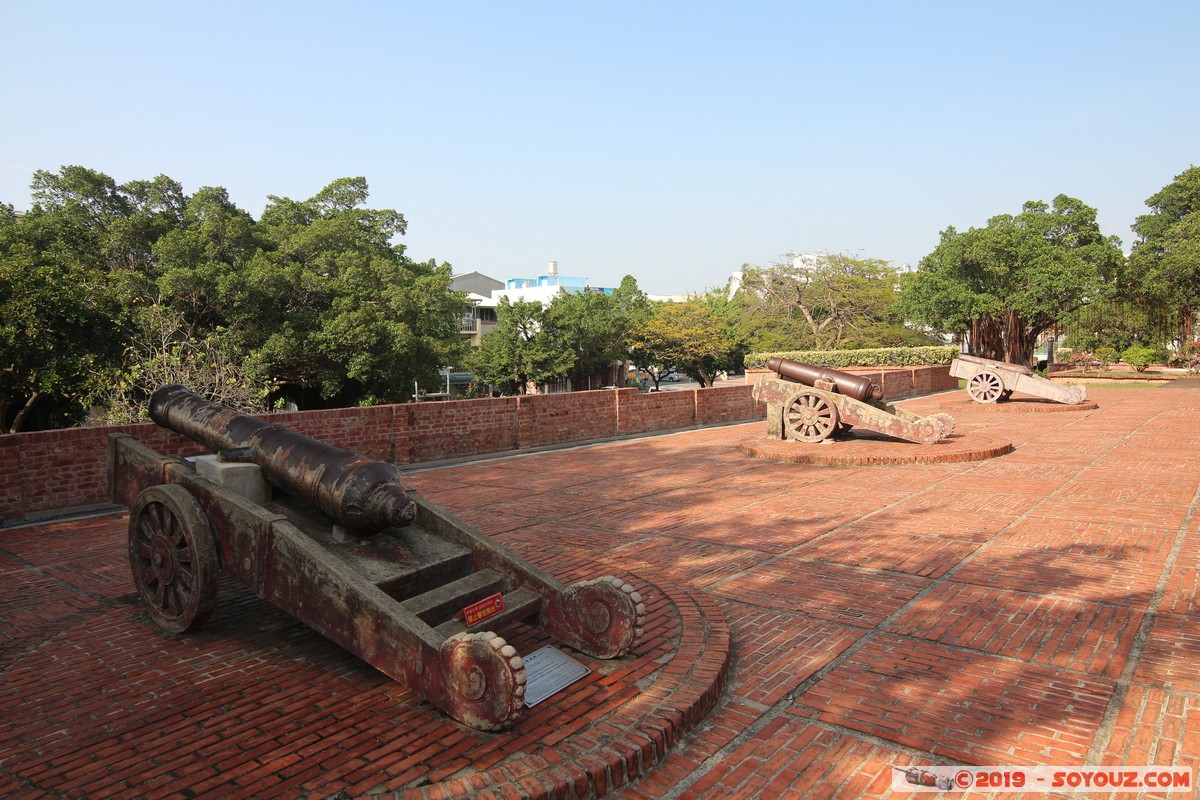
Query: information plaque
<point x="547" y="672"/>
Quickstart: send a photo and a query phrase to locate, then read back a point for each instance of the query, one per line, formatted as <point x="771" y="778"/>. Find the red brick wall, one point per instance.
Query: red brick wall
<point x="371" y="431"/>
<point x="642" y="412"/>
<point x="11" y="491"/>
<point x="571" y="417"/>
<point x="733" y="404"/>
<point x="48" y="470"/>
<point x="897" y="382"/>
<point x="461" y="427"/>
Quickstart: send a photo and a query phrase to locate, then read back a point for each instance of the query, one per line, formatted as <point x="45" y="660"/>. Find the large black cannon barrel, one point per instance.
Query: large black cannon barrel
<point x="857" y="386"/>
<point x="360" y="493"/>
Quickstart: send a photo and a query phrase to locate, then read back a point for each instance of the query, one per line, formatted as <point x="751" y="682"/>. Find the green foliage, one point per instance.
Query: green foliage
<point x="596" y="327"/>
<point x="331" y="303"/>
<point x="1106" y="356"/>
<point x="823" y="302"/>
<point x="1139" y="356"/>
<point x="1006" y="284"/>
<point x="1165" y="262"/>
<point x="312" y="295"/>
<point x="872" y="357"/>
<point x="62" y="323"/>
<point x="690" y="337"/>
<point x="163" y="353"/>
<point x="524" y="349"/>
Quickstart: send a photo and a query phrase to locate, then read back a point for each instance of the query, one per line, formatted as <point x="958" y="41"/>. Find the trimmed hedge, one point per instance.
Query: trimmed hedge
<point x="875" y="357"/>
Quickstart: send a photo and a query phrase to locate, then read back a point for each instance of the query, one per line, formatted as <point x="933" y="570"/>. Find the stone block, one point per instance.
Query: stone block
<point x="241" y="478"/>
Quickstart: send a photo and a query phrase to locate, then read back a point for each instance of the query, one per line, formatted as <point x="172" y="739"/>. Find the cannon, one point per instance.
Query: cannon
<point x="809" y="403"/>
<point x="336" y="540"/>
<point x="991" y="381"/>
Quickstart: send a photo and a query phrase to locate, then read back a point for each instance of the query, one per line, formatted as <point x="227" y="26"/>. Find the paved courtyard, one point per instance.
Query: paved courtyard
<point x="810" y="628"/>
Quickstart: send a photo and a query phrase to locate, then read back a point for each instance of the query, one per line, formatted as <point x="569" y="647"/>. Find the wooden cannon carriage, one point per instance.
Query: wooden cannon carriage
<point x="334" y="539"/>
<point x="991" y="381"/>
<point x="808" y="403"/>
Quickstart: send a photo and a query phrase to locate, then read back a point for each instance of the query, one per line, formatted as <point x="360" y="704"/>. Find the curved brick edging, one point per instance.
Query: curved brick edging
<point x="255" y="704"/>
<point x="1024" y="405"/>
<point x="614" y="750"/>
<point x="864" y="451"/>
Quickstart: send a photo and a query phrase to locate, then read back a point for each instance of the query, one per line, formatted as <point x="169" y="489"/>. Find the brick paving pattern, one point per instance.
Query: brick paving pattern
<point x="810" y="627"/>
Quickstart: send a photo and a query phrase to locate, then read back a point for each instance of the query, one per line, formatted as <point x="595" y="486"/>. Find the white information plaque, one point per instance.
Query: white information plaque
<point x="547" y="672"/>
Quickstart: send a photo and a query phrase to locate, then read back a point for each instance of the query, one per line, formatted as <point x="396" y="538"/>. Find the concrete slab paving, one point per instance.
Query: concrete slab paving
<point x="811" y="628"/>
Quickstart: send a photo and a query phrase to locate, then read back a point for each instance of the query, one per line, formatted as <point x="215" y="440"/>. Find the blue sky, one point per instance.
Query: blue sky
<point x="674" y="142"/>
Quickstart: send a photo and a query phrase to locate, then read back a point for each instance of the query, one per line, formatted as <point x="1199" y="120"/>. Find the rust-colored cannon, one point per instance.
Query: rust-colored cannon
<point x="334" y="539"/>
<point x="808" y="403"/>
<point x="859" y="387"/>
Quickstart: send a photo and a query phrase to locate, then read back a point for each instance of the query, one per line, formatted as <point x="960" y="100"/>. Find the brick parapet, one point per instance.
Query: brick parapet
<point x="45" y="471"/>
<point x="644" y="412"/>
<point x="547" y="419"/>
<point x="460" y="428"/>
<point x="897" y="382"/>
<point x="720" y="406"/>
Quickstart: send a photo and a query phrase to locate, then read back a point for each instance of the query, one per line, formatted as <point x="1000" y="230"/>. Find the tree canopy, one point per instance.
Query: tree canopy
<point x="524" y="349"/>
<point x="825" y="301"/>
<point x="690" y="337"/>
<point x="99" y="280"/>
<point x="1005" y="284"/>
<point x="1164" y="265"/>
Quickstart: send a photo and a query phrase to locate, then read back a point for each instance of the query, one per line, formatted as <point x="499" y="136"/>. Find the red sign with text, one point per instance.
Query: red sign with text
<point x="488" y="606"/>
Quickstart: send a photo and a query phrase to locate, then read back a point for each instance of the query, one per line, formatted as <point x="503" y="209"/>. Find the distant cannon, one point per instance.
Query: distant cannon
<point x="834" y="402"/>
<point x="991" y="381"/>
<point x="334" y="539"/>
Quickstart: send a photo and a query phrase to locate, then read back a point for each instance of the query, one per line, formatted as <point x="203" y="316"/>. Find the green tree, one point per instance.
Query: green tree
<point x="689" y="337"/>
<point x="1164" y="265"/>
<point x="524" y="349"/>
<point x="167" y="350"/>
<point x="596" y="326"/>
<point x="197" y="260"/>
<point x="315" y="293"/>
<point x="109" y="225"/>
<point x="822" y="302"/>
<point x="1005" y="284"/>
<point x="330" y="302"/>
<point x="62" y="322"/>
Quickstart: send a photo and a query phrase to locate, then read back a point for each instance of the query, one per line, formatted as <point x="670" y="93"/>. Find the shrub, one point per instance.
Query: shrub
<point x="873" y="357"/>
<point x="1138" y="356"/>
<point x="1106" y="355"/>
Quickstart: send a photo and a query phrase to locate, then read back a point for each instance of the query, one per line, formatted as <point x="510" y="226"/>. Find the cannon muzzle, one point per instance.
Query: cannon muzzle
<point x="856" y="386"/>
<point x="360" y="493"/>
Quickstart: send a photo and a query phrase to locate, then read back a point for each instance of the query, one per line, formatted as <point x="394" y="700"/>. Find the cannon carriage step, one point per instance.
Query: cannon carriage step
<point x="335" y="540"/>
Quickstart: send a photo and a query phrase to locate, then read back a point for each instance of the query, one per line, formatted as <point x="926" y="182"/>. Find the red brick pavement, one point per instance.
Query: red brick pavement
<point x="1040" y="607"/>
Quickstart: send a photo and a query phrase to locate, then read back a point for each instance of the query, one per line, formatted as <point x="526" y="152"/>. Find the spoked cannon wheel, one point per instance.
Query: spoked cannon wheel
<point x="173" y="555"/>
<point x="985" y="387"/>
<point x="810" y="416"/>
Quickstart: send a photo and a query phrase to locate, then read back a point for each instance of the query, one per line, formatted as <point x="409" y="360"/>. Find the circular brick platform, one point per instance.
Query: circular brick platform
<point x="870" y="449"/>
<point x="617" y="723"/>
<point x="1019" y="405"/>
<point x="255" y="704"/>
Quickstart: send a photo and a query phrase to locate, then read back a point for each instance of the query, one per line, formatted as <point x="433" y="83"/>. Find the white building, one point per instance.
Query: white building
<point x="543" y="288"/>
